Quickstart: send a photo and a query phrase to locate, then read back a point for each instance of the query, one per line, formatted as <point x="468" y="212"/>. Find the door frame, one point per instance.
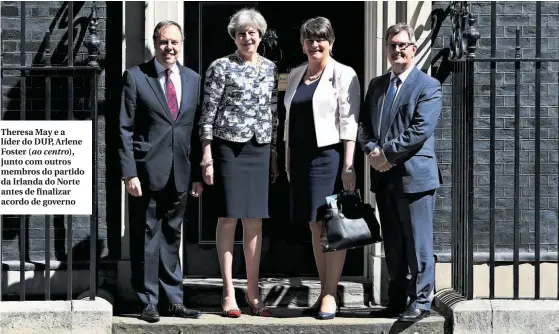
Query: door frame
<point x="194" y="51"/>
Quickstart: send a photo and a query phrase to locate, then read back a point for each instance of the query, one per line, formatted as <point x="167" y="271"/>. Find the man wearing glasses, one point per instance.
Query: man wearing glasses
<point x="397" y="123"/>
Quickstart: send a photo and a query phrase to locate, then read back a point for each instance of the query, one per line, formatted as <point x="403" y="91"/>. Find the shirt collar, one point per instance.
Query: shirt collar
<point x="159" y="68"/>
<point x="403" y="76"/>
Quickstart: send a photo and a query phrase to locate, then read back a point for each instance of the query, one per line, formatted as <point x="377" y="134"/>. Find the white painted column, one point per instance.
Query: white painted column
<point x="156" y="11"/>
<point x="419" y="17"/>
<point x="379" y="16"/>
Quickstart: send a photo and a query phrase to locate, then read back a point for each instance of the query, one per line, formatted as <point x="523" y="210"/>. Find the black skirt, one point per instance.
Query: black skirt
<point x="241" y="178"/>
<point x="314" y="170"/>
<point x="314" y="176"/>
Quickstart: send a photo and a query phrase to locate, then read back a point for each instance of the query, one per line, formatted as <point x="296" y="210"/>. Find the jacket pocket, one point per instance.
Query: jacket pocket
<point x="141" y="149"/>
<point x="420" y="166"/>
<point x="425" y="153"/>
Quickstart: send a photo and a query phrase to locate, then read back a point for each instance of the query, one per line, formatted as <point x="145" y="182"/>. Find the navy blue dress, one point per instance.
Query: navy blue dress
<point x="314" y="171"/>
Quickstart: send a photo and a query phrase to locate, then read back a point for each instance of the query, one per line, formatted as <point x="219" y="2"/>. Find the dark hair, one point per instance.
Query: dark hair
<point x="163" y="24"/>
<point x="317" y="27"/>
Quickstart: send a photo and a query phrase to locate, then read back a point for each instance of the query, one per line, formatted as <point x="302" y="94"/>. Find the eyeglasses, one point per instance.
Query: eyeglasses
<point x="312" y="40"/>
<point x="401" y="46"/>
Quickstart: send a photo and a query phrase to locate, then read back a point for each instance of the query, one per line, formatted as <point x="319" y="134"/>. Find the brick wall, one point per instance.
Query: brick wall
<point x="509" y="16"/>
<point x="42" y="17"/>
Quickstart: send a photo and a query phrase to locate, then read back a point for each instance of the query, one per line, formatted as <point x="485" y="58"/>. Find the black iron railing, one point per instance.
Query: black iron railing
<point x="68" y="71"/>
<point x="464" y="62"/>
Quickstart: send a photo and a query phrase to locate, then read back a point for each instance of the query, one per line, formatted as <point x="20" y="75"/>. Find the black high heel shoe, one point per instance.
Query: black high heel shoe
<point x="328" y="315"/>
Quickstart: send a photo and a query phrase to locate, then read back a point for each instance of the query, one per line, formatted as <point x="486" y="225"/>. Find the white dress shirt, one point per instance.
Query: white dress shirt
<point x="175" y="78"/>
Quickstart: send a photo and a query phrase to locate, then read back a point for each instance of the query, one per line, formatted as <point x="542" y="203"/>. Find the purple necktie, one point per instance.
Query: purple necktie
<point x="171" y="95"/>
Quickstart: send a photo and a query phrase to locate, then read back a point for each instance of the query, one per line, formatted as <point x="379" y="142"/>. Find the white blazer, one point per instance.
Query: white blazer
<point x="336" y="102"/>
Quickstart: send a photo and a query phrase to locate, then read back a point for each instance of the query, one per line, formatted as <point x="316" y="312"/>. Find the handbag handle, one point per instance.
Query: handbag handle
<point x="355" y="193"/>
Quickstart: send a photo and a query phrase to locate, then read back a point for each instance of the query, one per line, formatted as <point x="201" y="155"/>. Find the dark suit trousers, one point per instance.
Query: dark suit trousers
<point x="155" y="228"/>
<point x="407" y="228"/>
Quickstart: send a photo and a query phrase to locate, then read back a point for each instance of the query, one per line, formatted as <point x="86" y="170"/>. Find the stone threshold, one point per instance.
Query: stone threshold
<point x="284" y="292"/>
<point x="284" y="321"/>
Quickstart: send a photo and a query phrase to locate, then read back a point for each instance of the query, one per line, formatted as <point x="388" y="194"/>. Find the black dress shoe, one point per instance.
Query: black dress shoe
<point x="388" y="312"/>
<point x="150" y="314"/>
<point x="178" y="310"/>
<point x="413" y="315"/>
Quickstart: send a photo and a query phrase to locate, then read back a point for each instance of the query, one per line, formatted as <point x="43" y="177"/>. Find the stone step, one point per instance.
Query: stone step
<point x="284" y="292"/>
<point x="284" y="321"/>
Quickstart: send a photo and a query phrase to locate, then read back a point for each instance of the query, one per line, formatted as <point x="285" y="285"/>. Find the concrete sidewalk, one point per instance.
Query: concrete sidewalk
<point x="497" y="316"/>
<point x="37" y="317"/>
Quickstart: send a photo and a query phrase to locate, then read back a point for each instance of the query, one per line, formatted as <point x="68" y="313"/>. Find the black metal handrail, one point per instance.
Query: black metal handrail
<point x="463" y="60"/>
<point x="92" y="69"/>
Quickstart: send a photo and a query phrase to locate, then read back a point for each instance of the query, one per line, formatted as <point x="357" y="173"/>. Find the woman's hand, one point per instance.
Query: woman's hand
<point x="348" y="179"/>
<point x="208" y="173"/>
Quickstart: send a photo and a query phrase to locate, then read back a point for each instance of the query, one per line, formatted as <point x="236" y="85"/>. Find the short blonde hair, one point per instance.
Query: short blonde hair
<point x="244" y="18"/>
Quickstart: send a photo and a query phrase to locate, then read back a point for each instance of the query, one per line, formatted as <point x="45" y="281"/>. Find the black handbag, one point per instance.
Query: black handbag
<point x="349" y="223"/>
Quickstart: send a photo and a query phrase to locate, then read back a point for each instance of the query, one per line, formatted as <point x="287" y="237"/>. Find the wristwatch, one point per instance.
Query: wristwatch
<point x="206" y="163"/>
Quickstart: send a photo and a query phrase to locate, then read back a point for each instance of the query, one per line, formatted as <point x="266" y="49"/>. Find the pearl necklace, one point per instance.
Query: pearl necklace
<point x="313" y="77"/>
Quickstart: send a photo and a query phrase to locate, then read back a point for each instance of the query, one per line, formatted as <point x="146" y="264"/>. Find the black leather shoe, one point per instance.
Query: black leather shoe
<point x="388" y="312"/>
<point x="178" y="310"/>
<point x="413" y="315"/>
<point x="150" y="314"/>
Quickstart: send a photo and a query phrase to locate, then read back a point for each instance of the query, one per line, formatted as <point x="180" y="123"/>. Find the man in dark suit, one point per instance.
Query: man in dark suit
<point x="396" y="129"/>
<point x="157" y="113"/>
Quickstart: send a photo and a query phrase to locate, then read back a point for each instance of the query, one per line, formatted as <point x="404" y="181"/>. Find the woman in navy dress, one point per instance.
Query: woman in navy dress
<point x="322" y="103"/>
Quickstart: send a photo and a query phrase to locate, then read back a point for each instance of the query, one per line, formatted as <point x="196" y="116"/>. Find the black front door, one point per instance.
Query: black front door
<point x="286" y="249"/>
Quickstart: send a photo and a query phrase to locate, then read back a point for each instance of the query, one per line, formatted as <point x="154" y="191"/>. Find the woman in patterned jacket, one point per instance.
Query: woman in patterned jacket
<point x="238" y="128"/>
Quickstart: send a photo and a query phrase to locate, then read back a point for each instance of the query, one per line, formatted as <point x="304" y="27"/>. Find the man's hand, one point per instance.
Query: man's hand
<point x="197" y="188"/>
<point x="378" y="161"/>
<point x="377" y="158"/>
<point x="385" y="168"/>
<point x="133" y="186"/>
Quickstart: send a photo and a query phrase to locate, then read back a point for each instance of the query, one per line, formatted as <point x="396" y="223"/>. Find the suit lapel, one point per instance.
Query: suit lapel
<point x="324" y="88"/>
<point x="291" y="89"/>
<point x="153" y="81"/>
<point x="184" y="90"/>
<point x="380" y="100"/>
<point x="403" y="95"/>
